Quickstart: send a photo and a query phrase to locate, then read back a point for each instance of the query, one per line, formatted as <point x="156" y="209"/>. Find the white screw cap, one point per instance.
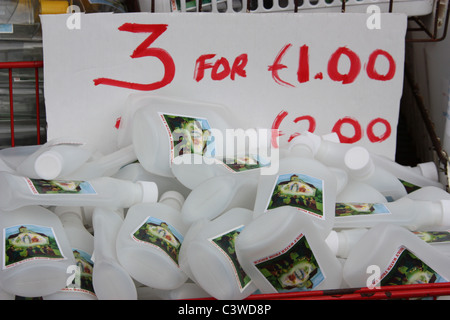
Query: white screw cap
<point x="149" y="191"/>
<point x="358" y="161"/>
<point x="48" y="165"/>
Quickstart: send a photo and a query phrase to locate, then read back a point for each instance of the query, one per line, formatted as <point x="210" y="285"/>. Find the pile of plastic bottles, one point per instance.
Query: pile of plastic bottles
<point x="170" y="216"/>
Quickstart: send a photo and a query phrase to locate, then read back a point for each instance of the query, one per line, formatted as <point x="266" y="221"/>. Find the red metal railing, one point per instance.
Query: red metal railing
<point x="19" y="65"/>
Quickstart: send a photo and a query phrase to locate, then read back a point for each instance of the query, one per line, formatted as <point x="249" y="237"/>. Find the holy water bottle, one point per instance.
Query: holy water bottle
<point x="392" y="255"/>
<point x="18" y="191"/>
<point x="283" y="251"/>
<point x="361" y="167"/>
<point x="55" y="159"/>
<point x="82" y="243"/>
<point x="149" y="241"/>
<point x="162" y="128"/>
<point x="217" y="195"/>
<point x="410" y="213"/>
<point x="212" y="256"/>
<point x="111" y="281"/>
<point x="303" y="183"/>
<point x="36" y="254"/>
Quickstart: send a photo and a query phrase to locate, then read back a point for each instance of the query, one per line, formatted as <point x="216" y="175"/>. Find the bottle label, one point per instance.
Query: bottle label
<point x="27" y="242"/>
<point x="293" y="268"/>
<point x="245" y="163"/>
<point x="41" y="186"/>
<point x="406" y="268"/>
<point x="434" y="236"/>
<point x="188" y="135"/>
<point x="82" y="275"/>
<point x="161" y="235"/>
<point x="410" y="187"/>
<point x="359" y="208"/>
<point x="301" y="191"/>
<point x="225" y="243"/>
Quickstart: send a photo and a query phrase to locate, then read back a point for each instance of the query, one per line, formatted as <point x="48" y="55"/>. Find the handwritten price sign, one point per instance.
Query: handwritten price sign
<point x="293" y="72"/>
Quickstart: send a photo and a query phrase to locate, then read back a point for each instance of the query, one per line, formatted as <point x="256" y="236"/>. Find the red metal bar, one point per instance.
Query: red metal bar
<point x="11" y="107"/>
<point x="382" y="293"/>
<point x="21" y="64"/>
<point x="17" y="65"/>
<point x="426" y="290"/>
<point x="38" y="113"/>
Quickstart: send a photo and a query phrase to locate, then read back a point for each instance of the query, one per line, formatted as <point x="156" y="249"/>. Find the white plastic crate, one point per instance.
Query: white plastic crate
<point x="409" y="7"/>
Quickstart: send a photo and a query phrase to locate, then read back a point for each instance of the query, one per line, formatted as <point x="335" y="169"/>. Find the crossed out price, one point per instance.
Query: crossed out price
<point x="337" y="128"/>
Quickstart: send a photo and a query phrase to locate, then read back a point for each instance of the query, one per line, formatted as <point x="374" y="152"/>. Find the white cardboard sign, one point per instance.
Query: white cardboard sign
<point x="325" y="72"/>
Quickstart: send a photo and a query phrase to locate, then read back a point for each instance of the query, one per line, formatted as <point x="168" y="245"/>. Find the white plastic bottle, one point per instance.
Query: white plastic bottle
<point x="391" y="255"/>
<point x="105" y="165"/>
<point x="136" y="172"/>
<point x="429" y="193"/>
<point x="190" y="234"/>
<point x="17" y="191"/>
<point x="283" y="251"/>
<point x="212" y="256"/>
<point x="82" y="243"/>
<point x="187" y="290"/>
<point x="193" y="169"/>
<point x="149" y="241"/>
<point x="438" y="238"/>
<point x="427" y="169"/>
<point x="409" y="213"/>
<point x="301" y="182"/>
<point x="248" y="152"/>
<point x="332" y="152"/>
<point x="5" y="167"/>
<point x="111" y="281"/>
<point x="55" y="159"/>
<point x="356" y="191"/>
<point x="163" y="128"/>
<point x="362" y="168"/>
<point x="411" y="179"/>
<point x="13" y="156"/>
<point x="328" y="149"/>
<point x="341" y="242"/>
<point x="218" y="195"/>
<point x="36" y="252"/>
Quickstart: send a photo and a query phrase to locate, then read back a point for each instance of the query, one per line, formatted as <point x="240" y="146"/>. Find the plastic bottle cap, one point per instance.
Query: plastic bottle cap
<point x="307" y="139"/>
<point x="358" y="161"/>
<point x="175" y="195"/>
<point x="445" y="212"/>
<point x="48" y="165"/>
<point x="333" y="241"/>
<point x="149" y="191"/>
<point x="429" y="170"/>
<point x="333" y="137"/>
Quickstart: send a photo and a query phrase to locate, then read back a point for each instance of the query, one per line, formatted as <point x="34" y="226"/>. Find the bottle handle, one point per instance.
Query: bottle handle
<point x="341" y="178"/>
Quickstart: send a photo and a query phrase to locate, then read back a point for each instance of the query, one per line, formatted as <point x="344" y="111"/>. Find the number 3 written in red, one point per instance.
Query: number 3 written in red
<point x="144" y="50"/>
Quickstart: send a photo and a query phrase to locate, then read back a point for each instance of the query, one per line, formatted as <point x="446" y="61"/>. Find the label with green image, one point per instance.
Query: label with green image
<point x="159" y="234"/>
<point x="406" y="268"/>
<point x="27" y="242"/>
<point x="41" y="186"/>
<point x="301" y="191"/>
<point x="293" y="268"/>
<point x="433" y="236"/>
<point x="226" y="244"/>
<point x="82" y="278"/>
<point x="359" y="208"/>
